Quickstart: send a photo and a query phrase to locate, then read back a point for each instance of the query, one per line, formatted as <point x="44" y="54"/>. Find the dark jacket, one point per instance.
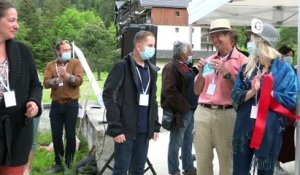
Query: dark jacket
<point x="121" y="99"/>
<point x="174" y="91"/>
<point x="15" y="131"/>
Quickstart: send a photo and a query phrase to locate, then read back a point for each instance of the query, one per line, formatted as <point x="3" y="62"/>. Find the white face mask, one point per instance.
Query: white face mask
<point x="148" y="53"/>
<point x="288" y="59"/>
<point x="189" y="59"/>
<point x="65" y="56"/>
<point x="251" y="47"/>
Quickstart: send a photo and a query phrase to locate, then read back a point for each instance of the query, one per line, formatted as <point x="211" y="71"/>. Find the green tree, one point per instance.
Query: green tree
<point x="288" y="36"/>
<point x="28" y="13"/>
<point x="68" y="25"/>
<point x="106" y="9"/>
<point x="99" y="47"/>
<point x="23" y="32"/>
<point x="52" y="8"/>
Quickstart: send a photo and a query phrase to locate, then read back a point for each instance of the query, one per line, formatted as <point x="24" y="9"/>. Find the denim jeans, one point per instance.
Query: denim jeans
<point x="131" y="154"/>
<point x="242" y="162"/>
<point x="64" y="115"/>
<point x="181" y="138"/>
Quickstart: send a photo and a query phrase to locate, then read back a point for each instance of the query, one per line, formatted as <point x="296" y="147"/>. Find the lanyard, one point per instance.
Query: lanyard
<point x="223" y="59"/>
<point x="144" y="90"/>
<point x="56" y="68"/>
<point x="7" y="82"/>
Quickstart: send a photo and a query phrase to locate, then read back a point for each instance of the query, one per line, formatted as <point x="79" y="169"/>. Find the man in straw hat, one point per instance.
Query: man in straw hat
<point x="215" y="116"/>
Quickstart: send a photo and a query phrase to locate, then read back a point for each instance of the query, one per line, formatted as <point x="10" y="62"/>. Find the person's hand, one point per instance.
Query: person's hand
<point x="31" y="109"/>
<point x="201" y="64"/>
<point x="218" y="65"/>
<point x="62" y="72"/>
<point x="255" y="83"/>
<point x="58" y="80"/>
<point x="155" y="136"/>
<point x="120" y="138"/>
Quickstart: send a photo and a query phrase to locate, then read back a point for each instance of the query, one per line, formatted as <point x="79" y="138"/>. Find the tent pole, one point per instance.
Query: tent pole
<point x="190" y="33"/>
<point x="297" y="161"/>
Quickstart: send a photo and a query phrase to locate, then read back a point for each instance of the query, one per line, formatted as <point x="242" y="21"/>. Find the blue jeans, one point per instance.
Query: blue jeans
<point x="181" y="138"/>
<point x="242" y="162"/>
<point x="64" y="115"/>
<point x="131" y="154"/>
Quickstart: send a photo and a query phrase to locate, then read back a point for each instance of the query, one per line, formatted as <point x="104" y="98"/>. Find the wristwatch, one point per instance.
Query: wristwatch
<point x="227" y="76"/>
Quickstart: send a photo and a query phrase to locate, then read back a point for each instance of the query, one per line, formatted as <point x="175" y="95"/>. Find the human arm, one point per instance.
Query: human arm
<point x="240" y="91"/>
<point x="50" y="81"/>
<point x="120" y="138"/>
<point x="111" y="97"/>
<point x="285" y="86"/>
<point x="75" y="76"/>
<point x="33" y="105"/>
<point x="199" y="80"/>
<point x="172" y="82"/>
<point x="157" y="125"/>
<point x="221" y="68"/>
<point x="155" y="136"/>
<point x="255" y="85"/>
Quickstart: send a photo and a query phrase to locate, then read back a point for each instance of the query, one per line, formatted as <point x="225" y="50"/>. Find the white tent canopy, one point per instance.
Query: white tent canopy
<point x="240" y="12"/>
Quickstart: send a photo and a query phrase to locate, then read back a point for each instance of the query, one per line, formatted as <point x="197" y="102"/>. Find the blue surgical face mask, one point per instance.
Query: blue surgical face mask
<point x="251" y="47"/>
<point x="207" y="69"/>
<point x="147" y="53"/>
<point x="65" y="56"/>
<point x="288" y="59"/>
<point x="189" y="59"/>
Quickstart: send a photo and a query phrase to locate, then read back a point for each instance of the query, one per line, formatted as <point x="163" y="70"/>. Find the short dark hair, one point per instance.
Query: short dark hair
<point x="285" y="50"/>
<point x="141" y="35"/>
<point x="4" y="6"/>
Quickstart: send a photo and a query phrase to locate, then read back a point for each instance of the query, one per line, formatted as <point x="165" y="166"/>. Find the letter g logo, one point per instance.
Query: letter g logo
<point x="256" y="25"/>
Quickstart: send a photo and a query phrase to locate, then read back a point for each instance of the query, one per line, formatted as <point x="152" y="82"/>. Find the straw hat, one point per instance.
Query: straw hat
<point x="220" y="25"/>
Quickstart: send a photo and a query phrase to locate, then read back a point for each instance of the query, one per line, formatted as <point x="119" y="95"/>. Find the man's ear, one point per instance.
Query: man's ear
<point x="57" y="53"/>
<point x="138" y="46"/>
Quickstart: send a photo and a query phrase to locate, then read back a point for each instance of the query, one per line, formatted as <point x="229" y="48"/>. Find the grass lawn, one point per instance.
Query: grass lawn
<point x="43" y="160"/>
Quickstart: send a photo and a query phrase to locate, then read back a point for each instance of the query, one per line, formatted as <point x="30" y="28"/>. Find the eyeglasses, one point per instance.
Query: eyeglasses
<point x="59" y="43"/>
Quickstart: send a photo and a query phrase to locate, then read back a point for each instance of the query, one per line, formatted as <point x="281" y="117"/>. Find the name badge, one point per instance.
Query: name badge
<point x="81" y="112"/>
<point x="61" y="83"/>
<point x="144" y="100"/>
<point x="10" y="99"/>
<point x="211" y="89"/>
<point x="254" y="111"/>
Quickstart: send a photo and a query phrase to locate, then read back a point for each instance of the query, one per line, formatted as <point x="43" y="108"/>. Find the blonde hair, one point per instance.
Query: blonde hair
<point x="263" y="51"/>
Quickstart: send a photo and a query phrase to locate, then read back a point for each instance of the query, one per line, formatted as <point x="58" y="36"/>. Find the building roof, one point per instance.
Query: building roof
<point x="119" y="4"/>
<point x="165" y="3"/>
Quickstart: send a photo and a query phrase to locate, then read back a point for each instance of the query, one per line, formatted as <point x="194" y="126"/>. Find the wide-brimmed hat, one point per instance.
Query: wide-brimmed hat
<point x="220" y="25"/>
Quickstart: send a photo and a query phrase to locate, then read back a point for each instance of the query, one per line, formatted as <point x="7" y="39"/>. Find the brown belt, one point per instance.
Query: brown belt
<point x="216" y="106"/>
<point x="63" y="101"/>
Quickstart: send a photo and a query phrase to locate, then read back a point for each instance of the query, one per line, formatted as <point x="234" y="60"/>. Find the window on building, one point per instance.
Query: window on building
<point x="177" y="13"/>
<point x="176" y="29"/>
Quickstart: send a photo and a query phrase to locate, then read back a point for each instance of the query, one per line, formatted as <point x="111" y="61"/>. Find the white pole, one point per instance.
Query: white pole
<point x="191" y="34"/>
<point x="297" y="161"/>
